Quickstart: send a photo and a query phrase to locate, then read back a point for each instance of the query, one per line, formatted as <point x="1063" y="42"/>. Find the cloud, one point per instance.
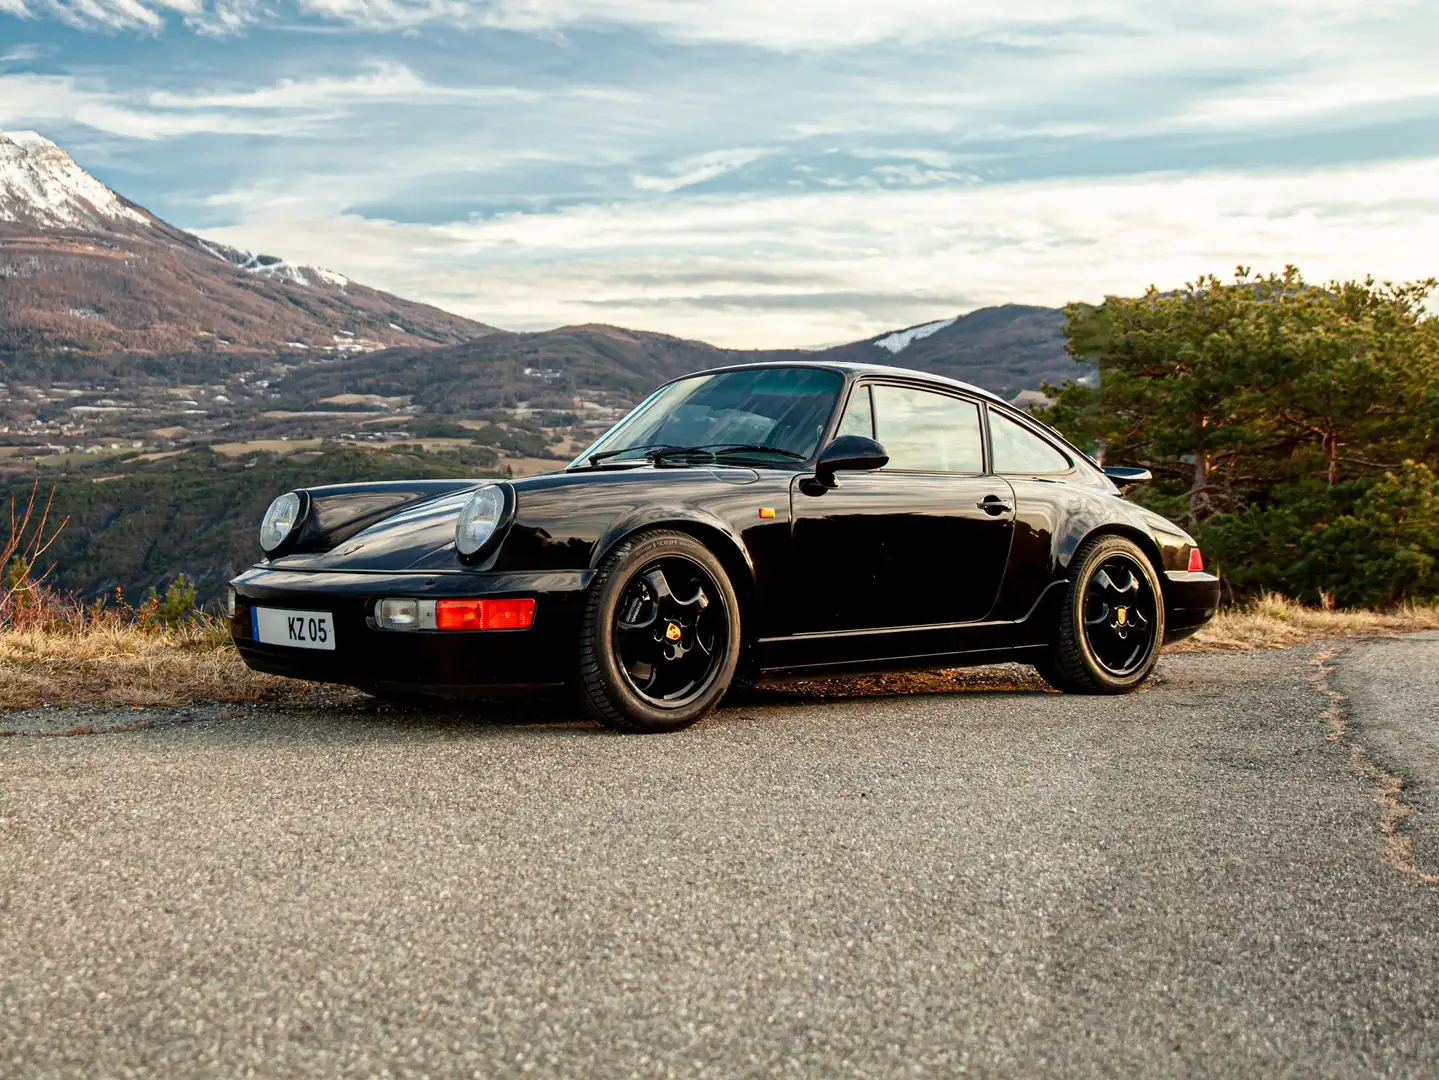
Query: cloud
<point x="697" y="169"/>
<point x="761" y="172"/>
<point x="20" y="53"/>
<point x="383" y="81"/>
<point x="287" y="108"/>
<point x="796" y="269"/>
<point x="788" y="25"/>
<point x="793" y="24"/>
<point x="53" y="100"/>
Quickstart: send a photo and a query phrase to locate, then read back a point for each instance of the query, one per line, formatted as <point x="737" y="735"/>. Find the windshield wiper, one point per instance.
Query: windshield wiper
<point x="715" y="450"/>
<point x="605" y="455"/>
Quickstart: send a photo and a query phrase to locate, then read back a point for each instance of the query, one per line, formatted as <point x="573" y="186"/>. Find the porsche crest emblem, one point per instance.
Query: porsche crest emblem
<point x="672" y="632"/>
<point x="1123" y="616"/>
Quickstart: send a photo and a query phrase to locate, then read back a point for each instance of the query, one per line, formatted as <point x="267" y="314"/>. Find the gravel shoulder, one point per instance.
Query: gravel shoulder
<point x="1392" y="689"/>
<point x="1191" y="880"/>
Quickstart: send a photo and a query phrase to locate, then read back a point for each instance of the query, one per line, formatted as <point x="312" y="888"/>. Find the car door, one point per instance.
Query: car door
<point x="922" y="541"/>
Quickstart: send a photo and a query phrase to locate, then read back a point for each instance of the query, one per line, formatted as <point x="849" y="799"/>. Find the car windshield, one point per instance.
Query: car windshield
<point x="779" y="413"/>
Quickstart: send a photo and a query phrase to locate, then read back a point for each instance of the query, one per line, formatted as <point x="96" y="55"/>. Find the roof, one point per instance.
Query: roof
<point x="911" y="374"/>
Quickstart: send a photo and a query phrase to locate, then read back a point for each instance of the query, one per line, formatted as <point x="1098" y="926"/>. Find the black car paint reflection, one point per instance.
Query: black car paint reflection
<point x="886" y="570"/>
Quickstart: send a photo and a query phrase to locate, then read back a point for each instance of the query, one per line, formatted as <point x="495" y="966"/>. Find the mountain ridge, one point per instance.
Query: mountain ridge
<point x="88" y="271"/>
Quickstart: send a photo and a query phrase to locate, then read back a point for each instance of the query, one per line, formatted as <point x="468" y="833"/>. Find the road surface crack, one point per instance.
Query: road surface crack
<point x="1395" y="812"/>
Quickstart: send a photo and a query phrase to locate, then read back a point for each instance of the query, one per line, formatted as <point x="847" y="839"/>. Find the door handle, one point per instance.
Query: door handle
<point x="993" y="504"/>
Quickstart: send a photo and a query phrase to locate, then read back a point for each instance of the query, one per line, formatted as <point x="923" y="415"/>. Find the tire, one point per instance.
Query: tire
<point x="660" y="635"/>
<point x="1111" y="622"/>
<point x="1049" y="671"/>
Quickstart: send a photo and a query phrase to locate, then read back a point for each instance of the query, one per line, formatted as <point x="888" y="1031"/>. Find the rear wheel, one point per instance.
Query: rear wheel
<point x="1111" y="623"/>
<point x="660" y="638"/>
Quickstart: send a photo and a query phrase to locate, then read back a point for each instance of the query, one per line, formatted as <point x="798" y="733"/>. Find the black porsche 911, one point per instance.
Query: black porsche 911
<point x="749" y="522"/>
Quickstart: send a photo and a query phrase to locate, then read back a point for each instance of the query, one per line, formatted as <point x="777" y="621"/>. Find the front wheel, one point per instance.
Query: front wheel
<point x="1111" y="623"/>
<point x="660" y="638"/>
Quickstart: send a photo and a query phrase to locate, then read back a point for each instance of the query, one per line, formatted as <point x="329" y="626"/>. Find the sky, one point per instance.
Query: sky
<point x="755" y="172"/>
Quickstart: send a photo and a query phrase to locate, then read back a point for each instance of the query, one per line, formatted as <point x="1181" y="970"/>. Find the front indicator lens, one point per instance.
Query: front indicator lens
<point x="399" y="614"/>
<point x="485" y="614"/>
<point x="229" y="602"/>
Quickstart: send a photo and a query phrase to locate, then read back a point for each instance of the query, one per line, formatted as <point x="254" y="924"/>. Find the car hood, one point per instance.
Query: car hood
<point x="558" y="518"/>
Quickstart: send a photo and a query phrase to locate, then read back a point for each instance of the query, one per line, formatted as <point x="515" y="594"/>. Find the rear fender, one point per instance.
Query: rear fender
<point x="1166" y="545"/>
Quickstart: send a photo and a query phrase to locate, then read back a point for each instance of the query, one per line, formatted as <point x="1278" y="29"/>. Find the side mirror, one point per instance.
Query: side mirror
<point x="853" y="453"/>
<point x="1122" y="475"/>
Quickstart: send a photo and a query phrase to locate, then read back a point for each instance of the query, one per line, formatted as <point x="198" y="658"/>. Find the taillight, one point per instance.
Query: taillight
<point x="1196" y="561"/>
<point x="518" y="614"/>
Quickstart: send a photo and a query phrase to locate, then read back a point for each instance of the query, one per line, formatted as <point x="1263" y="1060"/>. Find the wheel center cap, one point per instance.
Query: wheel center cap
<point x="1123" y="616"/>
<point x="672" y="632"/>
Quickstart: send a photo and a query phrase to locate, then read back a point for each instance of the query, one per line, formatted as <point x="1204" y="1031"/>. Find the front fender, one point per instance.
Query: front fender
<point x="687" y="519"/>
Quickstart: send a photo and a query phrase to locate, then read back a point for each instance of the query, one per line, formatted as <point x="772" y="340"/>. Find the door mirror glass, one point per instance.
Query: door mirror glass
<point x="853" y="453"/>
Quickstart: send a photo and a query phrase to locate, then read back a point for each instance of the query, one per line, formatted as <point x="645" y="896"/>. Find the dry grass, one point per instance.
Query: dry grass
<point x="112" y="664"/>
<point x="56" y="651"/>
<point x="1276" y="622"/>
<point x="74" y="657"/>
<point x="274" y="446"/>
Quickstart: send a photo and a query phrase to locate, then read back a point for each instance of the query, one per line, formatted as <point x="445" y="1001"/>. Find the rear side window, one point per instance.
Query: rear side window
<point x="926" y="432"/>
<point x="1016" y="449"/>
<point x="858" y="415"/>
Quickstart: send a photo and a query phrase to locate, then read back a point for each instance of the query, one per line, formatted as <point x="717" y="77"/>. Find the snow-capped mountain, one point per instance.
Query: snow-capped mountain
<point x="41" y="185"/>
<point x="84" y="268"/>
<point x="1008" y="348"/>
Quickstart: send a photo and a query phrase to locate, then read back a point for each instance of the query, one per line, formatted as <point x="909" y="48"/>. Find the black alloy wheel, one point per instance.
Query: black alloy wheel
<point x="660" y="639"/>
<point x="1111" y="622"/>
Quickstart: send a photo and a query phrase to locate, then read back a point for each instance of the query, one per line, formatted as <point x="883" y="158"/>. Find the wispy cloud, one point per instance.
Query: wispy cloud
<point x="289" y="107"/>
<point x="697" y="169"/>
<point x="791" y="25"/>
<point x="757" y="171"/>
<point x="804" y="268"/>
<point x="794" y="24"/>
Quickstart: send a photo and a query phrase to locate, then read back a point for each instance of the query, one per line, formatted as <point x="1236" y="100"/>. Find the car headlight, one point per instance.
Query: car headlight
<point x="279" y="521"/>
<point x="480" y="517"/>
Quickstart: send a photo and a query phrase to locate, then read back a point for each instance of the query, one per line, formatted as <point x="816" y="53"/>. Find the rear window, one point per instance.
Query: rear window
<point x="1018" y="450"/>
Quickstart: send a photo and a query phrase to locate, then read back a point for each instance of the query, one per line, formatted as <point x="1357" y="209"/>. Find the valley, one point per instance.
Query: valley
<point x="166" y="387"/>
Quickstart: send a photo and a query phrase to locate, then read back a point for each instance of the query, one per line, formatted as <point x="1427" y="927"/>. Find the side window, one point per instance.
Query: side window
<point x="858" y="416"/>
<point x="928" y="432"/>
<point x="1016" y="449"/>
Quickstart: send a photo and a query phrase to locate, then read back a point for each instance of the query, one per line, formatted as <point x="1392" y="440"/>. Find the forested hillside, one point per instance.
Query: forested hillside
<point x="142" y="523"/>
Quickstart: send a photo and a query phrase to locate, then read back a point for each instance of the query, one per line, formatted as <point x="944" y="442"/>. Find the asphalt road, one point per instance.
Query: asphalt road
<point x="1192" y="880"/>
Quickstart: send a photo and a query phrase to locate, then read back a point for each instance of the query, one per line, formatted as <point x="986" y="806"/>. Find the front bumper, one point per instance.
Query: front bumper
<point x="429" y="661"/>
<point x="1190" y="601"/>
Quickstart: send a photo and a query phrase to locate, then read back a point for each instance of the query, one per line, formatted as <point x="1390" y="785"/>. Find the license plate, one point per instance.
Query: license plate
<point x="298" y="629"/>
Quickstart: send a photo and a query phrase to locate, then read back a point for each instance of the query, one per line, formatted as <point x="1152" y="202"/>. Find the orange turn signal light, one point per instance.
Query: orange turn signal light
<point x="518" y="614"/>
<point x="1196" y="561"/>
<point x="766" y="512"/>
